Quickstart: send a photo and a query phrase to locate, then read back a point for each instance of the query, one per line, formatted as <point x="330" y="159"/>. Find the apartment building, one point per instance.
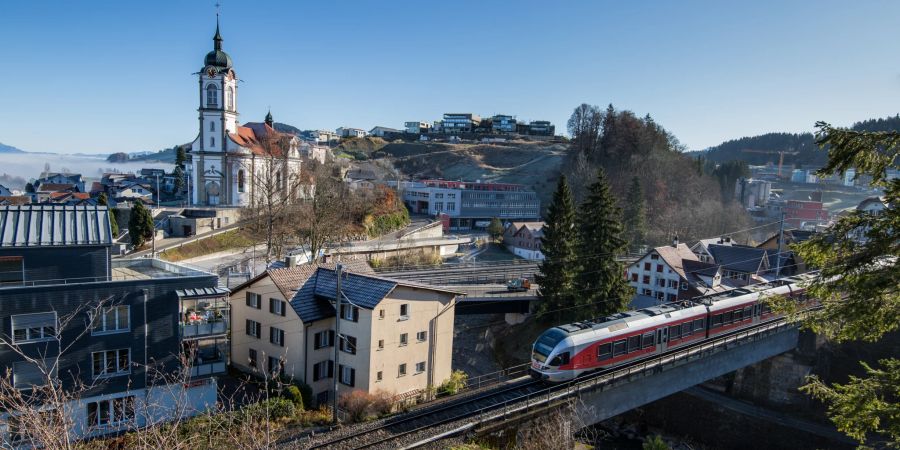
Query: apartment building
<point x="804" y="213"/>
<point x="660" y="273"/>
<point x="120" y="331"/>
<point x="472" y="205"/>
<point x="459" y="122"/>
<point x="395" y="336"/>
<point x="541" y="128"/>
<point x="417" y="127"/>
<point x="503" y="124"/>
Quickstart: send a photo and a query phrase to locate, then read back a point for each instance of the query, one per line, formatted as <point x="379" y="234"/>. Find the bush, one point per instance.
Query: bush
<point x="273" y="408"/>
<point x="454" y="384"/>
<point x="293" y="394"/>
<point x="361" y="405"/>
<point x="306" y="393"/>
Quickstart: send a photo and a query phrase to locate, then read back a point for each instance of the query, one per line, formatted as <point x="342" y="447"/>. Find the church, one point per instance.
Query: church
<point x="234" y="165"/>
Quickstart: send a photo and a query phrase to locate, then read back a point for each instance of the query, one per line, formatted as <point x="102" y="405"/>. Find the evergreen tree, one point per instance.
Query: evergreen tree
<point x="559" y="267"/>
<point x="634" y="216"/>
<point x="178" y="173"/>
<point x="113" y="223"/>
<point x="495" y="229"/>
<point x="140" y="225"/>
<point x="601" y="284"/>
<point x="180" y="157"/>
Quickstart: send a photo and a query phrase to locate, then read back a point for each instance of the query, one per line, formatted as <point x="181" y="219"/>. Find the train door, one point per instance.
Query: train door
<point x="662" y="338"/>
<point x="757" y="308"/>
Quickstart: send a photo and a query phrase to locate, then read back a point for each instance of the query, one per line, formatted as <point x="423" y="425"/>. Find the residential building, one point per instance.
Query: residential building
<point x="790" y="261"/>
<point x="523" y="239"/>
<point x="752" y="193"/>
<point x="701" y="248"/>
<point x="541" y="128"/>
<point x="472" y="205"/>
<point x="396" y="336"/>
<point x="350" y="132"/>
<point x="384" y="131"/>
<point x="417" y="127"/>
<point x="5" y="191"/>
<point x="322" y="137"/>
<point x="228" y="160"/>
<point x="144" y="321"/>
<point x="193" y="221"/>
<point x="503" y="124"/>
<point x="312" y="151"/>
<point x="134" y="191"/>
<point x="660" y="273"/>
<point x="60" y="178"/>
<point x="800" y="213"/>
<point x="743" y="265"/>
<point x="459" y="122"/>
<point x="873" y="206"/>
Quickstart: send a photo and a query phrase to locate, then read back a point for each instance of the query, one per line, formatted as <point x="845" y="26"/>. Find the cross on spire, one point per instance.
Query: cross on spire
<point x="217" y="39"/>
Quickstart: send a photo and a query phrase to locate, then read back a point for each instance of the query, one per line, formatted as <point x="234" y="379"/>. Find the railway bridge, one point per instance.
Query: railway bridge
<point x="592" y="398"/>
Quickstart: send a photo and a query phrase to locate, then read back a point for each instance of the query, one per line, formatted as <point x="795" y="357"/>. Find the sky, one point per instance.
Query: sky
<point x="101" y="77"/>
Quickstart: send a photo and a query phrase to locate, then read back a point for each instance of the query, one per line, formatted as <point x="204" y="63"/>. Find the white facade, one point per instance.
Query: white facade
<point x="350" y="132"/>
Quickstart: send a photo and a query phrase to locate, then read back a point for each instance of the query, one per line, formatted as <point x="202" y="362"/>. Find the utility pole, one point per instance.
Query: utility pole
<point x="780" y="243"/>
<point x="337" y="348"/>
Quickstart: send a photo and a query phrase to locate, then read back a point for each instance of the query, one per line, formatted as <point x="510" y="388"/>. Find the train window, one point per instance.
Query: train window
<point x="727" y="317"/>
<point x="748" y="312"/>
<point x="604" y="351"/>
<point x="674" y="332"/>
<point x="716" y="321"/>
<point x="619" y="348"/>
<point x="686" y="329"/>
<point x="634" y="343"/>
<point x="560" y="359"/>
<point x="698" y="324"/>
<point x="738" y="315"/>
<point x="648" y="340"/>
<point x="766" y="309"/>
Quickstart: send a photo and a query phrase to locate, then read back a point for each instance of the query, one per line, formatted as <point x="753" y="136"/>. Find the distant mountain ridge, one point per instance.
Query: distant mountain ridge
<point x="800" y="148"/>
<point x="10" y="149"/>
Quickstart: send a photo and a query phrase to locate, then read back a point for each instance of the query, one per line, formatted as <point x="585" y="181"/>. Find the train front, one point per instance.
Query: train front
<point x="550" y="357"/>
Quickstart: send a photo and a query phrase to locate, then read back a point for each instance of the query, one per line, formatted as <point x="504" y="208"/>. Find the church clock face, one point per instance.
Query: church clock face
<point x="211" y="71"/>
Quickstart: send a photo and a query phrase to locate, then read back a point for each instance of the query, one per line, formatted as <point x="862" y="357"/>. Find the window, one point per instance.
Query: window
<point x="738" y="315"/>
<point x="404" y="311"/>
<point x="748" y="312"/>
<point x="276" y="336"/>
<point x="324" y="369"/>
<point x="350" y="312"/>
<point x="211" y="96"/>
<point x="673" y="284"/>
<point x="27" y="374"/>
<point x="111" y="362"/>
<point x="647" y="266"/>
<point x="212" y="141"/>
<point x="381" y="313"/>
<point x="348" y="344"/>
<point x="646" y="279"/>
<point x="276" y="306"/>
<point x="659" y="268"/>
<point x="727" y="317"/>
<point x="33" y="327"/>
<point x="675" y="332"/>
<point x="686" y="329"/>
<point x="647" y="292"/>
<point x="253" y="328"/>
<point x="634" y="277"/>
<point x="12" y="270"/>
<point x="654" y="256"/>
<point x="251" y="358"/>
<point x="253" y="300"/>
<point x="422" y="336"/>
<point x="348" y="375"/>
<point x="661" y="282"/>
<point x="274" y="365"/>
<point x="671" y="297"/>
<point x="403" y="339"/>
<point x="378" y="376"/>
<point x="323" y="339"/>
<point x="698" y="324"/>
<point x="381" y="344"/>
<point x="401" y="370"/>
<point x="229" y="98"/>
<point x="716" y="321"/>
<point x="634" y="343"/>
<point x="647" y="340"/>
<point x="619" y="347"/>
<point x="111" y="320"/>
<point x="241" y="180"/>
<point x="604" y="351"/>
<point x="420" y="367"/>
<point x="212" y="125"/>
<point x="110" y="412"/>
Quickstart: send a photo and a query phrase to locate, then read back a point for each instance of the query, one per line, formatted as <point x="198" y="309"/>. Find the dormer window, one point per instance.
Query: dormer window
<point x="212" y="97"/>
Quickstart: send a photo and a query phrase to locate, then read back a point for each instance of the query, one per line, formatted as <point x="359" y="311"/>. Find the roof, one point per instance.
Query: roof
<point x="289" y="279"/>
<point x="14" y="200"/>
<point x="56" y="187"/>
<point x="202" y="292"/>
<point x="54" y="225"/>
<point x="253" y="136"/>
<point x="738" y="258"/>
<point x="673" y="256"/>
<point x="700" y="268"/>
<point x="871" y="200"/>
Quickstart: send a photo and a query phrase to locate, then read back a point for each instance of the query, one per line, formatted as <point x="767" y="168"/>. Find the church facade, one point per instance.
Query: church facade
<point x="235" y="165"/>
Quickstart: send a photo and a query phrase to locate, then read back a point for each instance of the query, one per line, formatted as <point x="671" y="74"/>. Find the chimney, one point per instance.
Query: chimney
<point x="675" y="241"/>
<point x="326" y="258"/>
<point x="289" y="261"/>
<point x="727" y="239"/>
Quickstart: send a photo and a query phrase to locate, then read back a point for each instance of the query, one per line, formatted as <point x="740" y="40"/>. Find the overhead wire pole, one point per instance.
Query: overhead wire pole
<point x="780" y="243"/>
<point x="337" y="338"/>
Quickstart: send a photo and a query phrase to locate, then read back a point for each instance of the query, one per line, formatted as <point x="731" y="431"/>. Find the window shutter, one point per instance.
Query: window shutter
<point x="341" y="373"/>
<point x="249" y="297"/>
<point x="316" y="371"/>
<point x="330" y="368"/>
<point x="272" y="335"/>
<point x="271" y="305"/>
<point x="281" y="338"/>
<point x="283" y="308"/>
<point x="355" y="314"/>
<point x="352" y="377"/>
<point x="249" y="327"/>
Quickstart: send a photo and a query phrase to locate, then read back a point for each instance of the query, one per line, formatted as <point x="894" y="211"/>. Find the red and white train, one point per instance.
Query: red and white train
<point x="564" y="352"/>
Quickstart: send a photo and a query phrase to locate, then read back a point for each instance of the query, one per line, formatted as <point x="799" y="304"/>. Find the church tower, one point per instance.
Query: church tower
<point x="218" y="98"/>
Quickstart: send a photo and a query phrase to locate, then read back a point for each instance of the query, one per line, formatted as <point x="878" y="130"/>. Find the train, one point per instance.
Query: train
<point x="565" y="352"/>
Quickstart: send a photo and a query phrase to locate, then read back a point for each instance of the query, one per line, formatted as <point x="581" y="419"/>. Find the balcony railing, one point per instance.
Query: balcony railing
<point x="204" y="328"/>
<point x="205" y="370"/>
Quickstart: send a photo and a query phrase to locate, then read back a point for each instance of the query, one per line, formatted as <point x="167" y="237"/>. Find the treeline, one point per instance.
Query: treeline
<point x="643" y="161"/>
<point x="801" y="148"/>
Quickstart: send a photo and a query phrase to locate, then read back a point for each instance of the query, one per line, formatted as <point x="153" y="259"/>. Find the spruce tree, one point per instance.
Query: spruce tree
<point x="559" y="267"/>
<point x="178" y="174"/>
<point x="601" y="285"/>
<point x="140" y="225"/>
<point x="113" y="223"/>
<point x="634" y="217"/>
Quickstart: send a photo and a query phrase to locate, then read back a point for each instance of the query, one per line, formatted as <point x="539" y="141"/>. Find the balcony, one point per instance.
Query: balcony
<point x="204" y="327"/>
<point x="207" y="357"/>
<point x="203" y="312"/>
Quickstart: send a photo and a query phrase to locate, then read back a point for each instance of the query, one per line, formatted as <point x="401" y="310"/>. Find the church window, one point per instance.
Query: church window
<point x="230" y="98"/>
<point x="212" y="95"/>
<point x="240" y="181"/>
<point x="212" y="141"/>
<point x="212" y="126"/>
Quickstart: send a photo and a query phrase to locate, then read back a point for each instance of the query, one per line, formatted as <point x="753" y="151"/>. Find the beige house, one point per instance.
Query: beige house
<point x="396" y="336"/>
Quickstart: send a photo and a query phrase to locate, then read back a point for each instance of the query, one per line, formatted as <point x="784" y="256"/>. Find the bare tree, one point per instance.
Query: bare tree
<point x="323" y="218"/>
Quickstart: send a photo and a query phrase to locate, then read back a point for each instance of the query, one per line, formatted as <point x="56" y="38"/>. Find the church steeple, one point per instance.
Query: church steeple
<point x="269" y="121"/>
<point x="217" y="39"/>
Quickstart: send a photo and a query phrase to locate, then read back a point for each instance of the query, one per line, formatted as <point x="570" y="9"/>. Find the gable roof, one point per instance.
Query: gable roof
<point x="289" y="279"/>
<point x="253" y="136"/>
<point x="738" y="258"/>
<point x="56" y="187"/>
<point x="674" y="256"/>
<point x="54" y="225"/>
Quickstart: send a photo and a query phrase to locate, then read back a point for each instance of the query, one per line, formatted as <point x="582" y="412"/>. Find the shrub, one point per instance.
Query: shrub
<point x="357" y="404"/>
<point x="273" y="408"/>
<point x="293" y="394"/>
<point x="382" y="402"/>
<point x="306" y="393"/>
<point x="455" y="383"/>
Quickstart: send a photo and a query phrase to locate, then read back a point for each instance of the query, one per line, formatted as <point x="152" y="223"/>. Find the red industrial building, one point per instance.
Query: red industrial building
<point x="798" y="212"/>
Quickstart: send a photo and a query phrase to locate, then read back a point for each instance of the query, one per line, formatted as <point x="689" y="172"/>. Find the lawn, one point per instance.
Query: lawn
<point x="225" y="241"/>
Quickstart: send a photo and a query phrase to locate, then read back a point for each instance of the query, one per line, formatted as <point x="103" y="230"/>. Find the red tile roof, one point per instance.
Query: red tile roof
<point x="261" y="139"/>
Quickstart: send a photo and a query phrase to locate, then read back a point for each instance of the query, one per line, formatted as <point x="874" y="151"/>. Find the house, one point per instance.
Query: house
<point x="120" y="330"/>
<point x="790" y="261"/>
<point x="132" y="191"/>
<point x="660" y="273"/>
<point x="5" y="191"/>
<point x="350" y="132"/>
<point x="701" y="248"/>
<point x="417" y="127"/>
<point x="503" y="124"/>
<point x="14" y="200"/>
<point x="524" y="239"/>
<point x="45" y="192"/>
<point x="800" y="213"/>
<point x="743" y="265"/>
<point x="396" y="336"/>
<point x="384" y="131"/>
<point x="60" y="178"/>
<point x="752" y="193"/>
<point x="541" y="128"/>
<point x="873" y="206"/>
<point x="459" y="123"/>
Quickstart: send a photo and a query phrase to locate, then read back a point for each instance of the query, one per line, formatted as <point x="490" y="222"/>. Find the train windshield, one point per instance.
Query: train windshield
<point x="546" y="342"/>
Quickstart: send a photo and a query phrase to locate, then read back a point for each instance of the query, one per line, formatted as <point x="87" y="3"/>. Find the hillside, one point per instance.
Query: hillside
<point x="800" y="148"/>
<point x="9" y="149"/>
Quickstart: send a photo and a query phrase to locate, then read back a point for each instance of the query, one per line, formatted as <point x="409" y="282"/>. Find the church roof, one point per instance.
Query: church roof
<point x="255" y="136"/>
<point x="217" y="57"/>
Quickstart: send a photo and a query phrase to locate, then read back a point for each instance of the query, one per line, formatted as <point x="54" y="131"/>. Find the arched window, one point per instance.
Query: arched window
<point x="212" y="97"/>
<point x="229" y="99"/>
<point x="240" y="181"/>
<point x="212" y="141"/>
<point x="212" y="126"/>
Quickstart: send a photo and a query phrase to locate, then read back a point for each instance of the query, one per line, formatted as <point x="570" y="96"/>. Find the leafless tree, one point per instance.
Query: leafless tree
<point x="324" y="217"/>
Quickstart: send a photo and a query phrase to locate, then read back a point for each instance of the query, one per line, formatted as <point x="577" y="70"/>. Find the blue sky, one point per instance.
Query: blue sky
<point x="99" y="77"/>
